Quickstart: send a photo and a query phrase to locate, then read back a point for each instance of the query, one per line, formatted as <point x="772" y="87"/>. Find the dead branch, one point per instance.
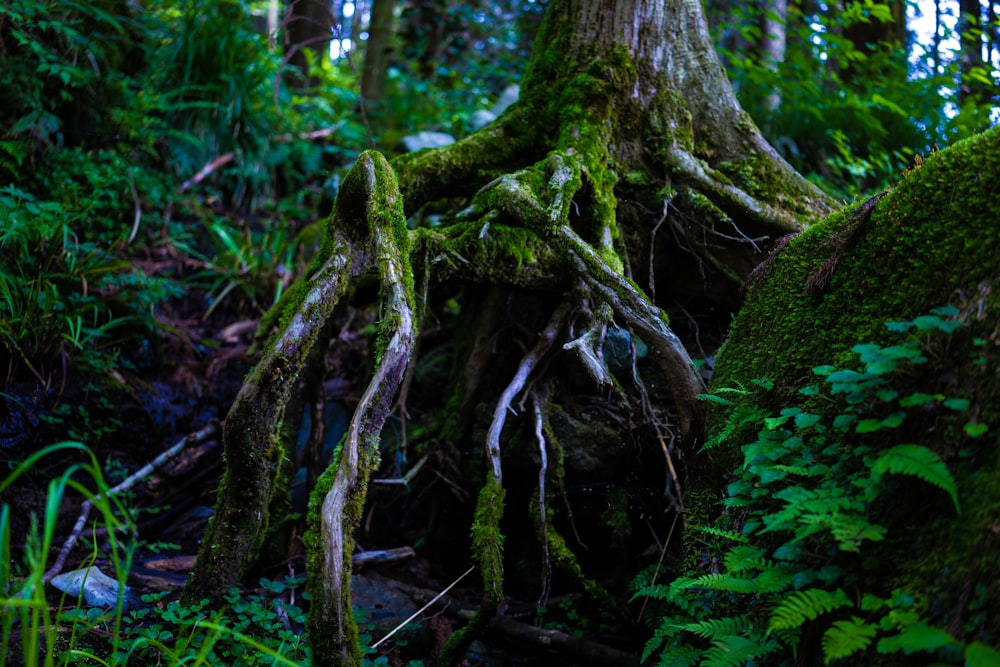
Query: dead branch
<point x="210" y="431"/>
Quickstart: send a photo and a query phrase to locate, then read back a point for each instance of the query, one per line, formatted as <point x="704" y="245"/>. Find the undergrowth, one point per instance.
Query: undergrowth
<point x="40" y="626"/>
<point x="786" y="570"/>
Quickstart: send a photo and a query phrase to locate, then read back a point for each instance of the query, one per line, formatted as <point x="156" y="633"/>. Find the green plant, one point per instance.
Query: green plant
<point x="255" y="629"/>
<point x="27" y="613"/>
<point x="63" y="299"/>
<point x="248" y="266"/>
<point x="787" y="562"/>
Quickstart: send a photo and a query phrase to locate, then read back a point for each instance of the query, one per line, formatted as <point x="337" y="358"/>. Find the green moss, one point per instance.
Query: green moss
<point x="487" y="540"/>
<point x="931" y="241"/>
<point x="498" y="254"/>
<point x="668" y="124"/>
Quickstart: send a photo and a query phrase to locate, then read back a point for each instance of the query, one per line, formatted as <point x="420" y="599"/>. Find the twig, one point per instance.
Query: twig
<point x="659" y="564"/>
<point x="138" y="208"/>
<point x="204" y="434"/>
<point x="205" y="171"/>
<point x="422" y="609"/>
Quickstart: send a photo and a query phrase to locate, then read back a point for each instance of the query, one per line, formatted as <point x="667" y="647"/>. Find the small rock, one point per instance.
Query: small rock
<point x="96" y="588"/>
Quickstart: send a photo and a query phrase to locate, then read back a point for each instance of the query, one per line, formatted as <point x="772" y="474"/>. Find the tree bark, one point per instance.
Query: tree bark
<point x="773" y="42"/>
<point x="381" y="29"/>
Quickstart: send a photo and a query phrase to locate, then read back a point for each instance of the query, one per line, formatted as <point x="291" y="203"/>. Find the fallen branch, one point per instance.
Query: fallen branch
<point x="211" y="430"/>
<point x="205" y="172"/>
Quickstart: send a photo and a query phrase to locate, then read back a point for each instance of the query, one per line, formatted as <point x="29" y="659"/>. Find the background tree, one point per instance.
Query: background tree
<point x="378" y="50"/>
<point x="308" y="30"/>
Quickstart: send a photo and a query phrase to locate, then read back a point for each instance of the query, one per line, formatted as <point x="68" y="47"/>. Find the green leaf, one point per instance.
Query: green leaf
<point x="806" y="419"/>
<point x="824" y="370"/>
<point x="802" y="606"/>
<point x="843" y="422"/>
<point x="868" y="425"/>
<point x="957" y="404"/>
<point x="916" y="637"/>
<point x="919" y="398"/>
<point x="974" y="430"/>
<point x="771" y="423"/>
<point x="884" y="14"/>
<point x="981" y="655"/>
<point x="846" y="637"/>
<point x="918" y="461"/>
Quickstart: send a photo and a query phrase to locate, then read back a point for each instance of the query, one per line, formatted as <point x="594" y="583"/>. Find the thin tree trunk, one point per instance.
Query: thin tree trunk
<point x="773" y="43"/>
<point x="381" y="30"/>
<point x="309" y="26"/>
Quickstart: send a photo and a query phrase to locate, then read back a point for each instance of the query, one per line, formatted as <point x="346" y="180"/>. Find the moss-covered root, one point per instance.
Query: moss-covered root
<point x="375" y="210"/>
<point x="487" y="546"/>
<point x="253" y="453"/>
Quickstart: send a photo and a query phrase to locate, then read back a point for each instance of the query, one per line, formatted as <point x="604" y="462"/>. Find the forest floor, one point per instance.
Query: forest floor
<point x="186" y="382"/>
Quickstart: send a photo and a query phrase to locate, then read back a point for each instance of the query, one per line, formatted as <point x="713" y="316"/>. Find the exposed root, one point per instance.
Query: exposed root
<point x="527" y="364"/>
<point x="727" y="195"/>
<point x="543" y="522"/>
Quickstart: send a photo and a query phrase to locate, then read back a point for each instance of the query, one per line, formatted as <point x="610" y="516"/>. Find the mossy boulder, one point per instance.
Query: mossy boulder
<point x="933" y="240"/>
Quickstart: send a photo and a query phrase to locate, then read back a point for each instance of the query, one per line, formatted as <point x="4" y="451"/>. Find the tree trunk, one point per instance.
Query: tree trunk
<point x="381" y="29"/>
<point x="772" y="46"/>
<point x="974" y="84"/>
<point x="627" y="175"/>
<point x="309" y="25"/>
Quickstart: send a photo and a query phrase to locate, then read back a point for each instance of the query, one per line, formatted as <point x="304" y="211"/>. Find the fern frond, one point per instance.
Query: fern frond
<point x="772" y="580"/>
<point x="846" y="637"/>
<point x="735" y="650"/>
<point x="727" y="534"/>
<point x="802" y="606"/>
<point x="656" y="592"/>
<point x="717" y="628"/>
<point x="668" y="628"/>
<point x="744" y="557"/>
<point x="918" y="461"/>
<point x="723" y="581"/>
<point x="679" y="656"/>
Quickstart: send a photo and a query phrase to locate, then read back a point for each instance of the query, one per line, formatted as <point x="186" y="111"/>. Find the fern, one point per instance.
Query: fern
<point x="745" y="557"/>
<point x="846" y="637"/>
<point x="668" y="628"/>
<point x="736" y="650"/>
<point x="802" y="606"/>
<point x="717" y="628"/>
<point x="803" y="491"/>
<point x="679" y="656"/>
<point x="727" y="534"/>
<point x="918" y="461"/>
<point x="723" y="581"/>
